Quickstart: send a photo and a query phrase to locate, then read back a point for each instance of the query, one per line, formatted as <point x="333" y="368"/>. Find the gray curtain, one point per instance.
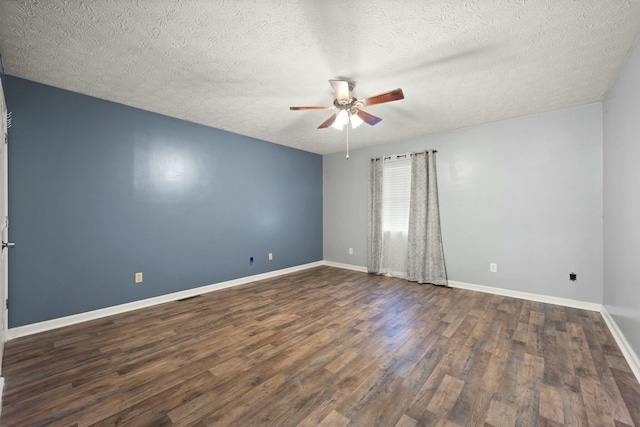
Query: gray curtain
<point x="426" y="255"/>
<point x="425" y="263"/>
<point x="374" y="236"/>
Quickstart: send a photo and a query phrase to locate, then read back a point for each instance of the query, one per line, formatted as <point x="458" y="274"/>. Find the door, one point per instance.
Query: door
<point x="4" y="226"/>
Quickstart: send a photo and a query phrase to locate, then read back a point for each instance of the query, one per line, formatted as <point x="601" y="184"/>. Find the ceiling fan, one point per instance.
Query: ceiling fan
<point x="350" y="108"/>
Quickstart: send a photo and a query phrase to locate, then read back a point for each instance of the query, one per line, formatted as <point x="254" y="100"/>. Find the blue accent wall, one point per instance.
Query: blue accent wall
<point x="99" y="191"/>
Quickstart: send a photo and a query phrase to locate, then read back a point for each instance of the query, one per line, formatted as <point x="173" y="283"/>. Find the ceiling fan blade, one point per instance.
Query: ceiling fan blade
<point x="329" y="121"/>
<point x="369" y="118"/>
<point x="341" y="90"/>
<point x="393" y="95"/>
<point x="312" y="107"/>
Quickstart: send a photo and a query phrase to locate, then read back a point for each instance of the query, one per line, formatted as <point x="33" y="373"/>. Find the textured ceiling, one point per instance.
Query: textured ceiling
<point x="239" y="65"/>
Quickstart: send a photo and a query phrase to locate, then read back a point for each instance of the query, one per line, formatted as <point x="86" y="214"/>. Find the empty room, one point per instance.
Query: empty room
<point x="334" y="213"/>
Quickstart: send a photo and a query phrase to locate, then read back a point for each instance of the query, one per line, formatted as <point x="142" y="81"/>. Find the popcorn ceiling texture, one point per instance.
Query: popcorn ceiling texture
<point x="239" y="65"/>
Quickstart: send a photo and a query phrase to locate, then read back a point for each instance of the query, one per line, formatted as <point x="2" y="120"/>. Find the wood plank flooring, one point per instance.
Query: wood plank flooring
<point x="326" y="347"/>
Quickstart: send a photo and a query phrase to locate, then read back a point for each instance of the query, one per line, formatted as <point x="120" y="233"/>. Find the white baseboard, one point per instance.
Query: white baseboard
<point x="48" y="325"/>
<point x="565" y="302"/>
<point x="345" y="266"/>
<point x="625" y="347"/>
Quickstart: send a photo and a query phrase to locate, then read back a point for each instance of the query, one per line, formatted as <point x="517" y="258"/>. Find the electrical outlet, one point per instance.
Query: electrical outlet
<point x="493" y="267"/>
<point x="270" y="256"/>
<point x="350" y="251"/>
<point x="573" y="277"/>
<point x="139" y="277"/>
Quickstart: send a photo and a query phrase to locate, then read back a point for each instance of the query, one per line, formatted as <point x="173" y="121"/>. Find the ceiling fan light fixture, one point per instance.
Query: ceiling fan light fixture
<point x="355" y="120"/>
<point x="341" y="120"/>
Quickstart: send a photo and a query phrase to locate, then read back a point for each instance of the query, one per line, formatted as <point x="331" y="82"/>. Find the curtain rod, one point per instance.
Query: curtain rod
<point x="400" y="156"/>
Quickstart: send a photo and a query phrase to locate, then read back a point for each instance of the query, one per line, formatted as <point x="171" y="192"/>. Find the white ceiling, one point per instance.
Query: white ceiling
<point x="239" y="65"/>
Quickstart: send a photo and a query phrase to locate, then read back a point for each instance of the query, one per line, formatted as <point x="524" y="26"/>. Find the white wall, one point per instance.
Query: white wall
<point x="524" y="193"/>
<point x="622" y="200"/>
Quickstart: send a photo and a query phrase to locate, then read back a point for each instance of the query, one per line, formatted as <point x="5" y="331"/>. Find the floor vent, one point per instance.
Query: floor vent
<point x="188" y="298"/>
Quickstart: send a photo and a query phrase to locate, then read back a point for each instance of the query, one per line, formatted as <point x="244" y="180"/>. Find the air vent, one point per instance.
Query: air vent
<point x="188" y="298"/>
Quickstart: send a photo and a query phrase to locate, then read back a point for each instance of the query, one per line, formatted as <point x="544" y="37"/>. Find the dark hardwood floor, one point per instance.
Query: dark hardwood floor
<point x="326" y="347"/>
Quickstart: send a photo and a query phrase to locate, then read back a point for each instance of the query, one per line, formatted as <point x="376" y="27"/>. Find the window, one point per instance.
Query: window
<point x="396" y="194"/>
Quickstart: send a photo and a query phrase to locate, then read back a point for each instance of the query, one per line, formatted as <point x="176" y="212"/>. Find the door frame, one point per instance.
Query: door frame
<point x="4" y="224"/>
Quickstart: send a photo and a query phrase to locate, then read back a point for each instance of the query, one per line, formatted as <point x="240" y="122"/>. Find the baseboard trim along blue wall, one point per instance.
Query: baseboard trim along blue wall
<point x="35" y="328"/>
<point x="99" y="191"/>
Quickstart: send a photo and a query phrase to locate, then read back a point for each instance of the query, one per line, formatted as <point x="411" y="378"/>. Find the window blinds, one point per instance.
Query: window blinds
<point x="396" y="194"/>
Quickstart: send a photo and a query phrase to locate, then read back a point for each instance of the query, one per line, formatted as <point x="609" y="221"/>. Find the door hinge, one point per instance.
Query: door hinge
<point x="6" y="304"/>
